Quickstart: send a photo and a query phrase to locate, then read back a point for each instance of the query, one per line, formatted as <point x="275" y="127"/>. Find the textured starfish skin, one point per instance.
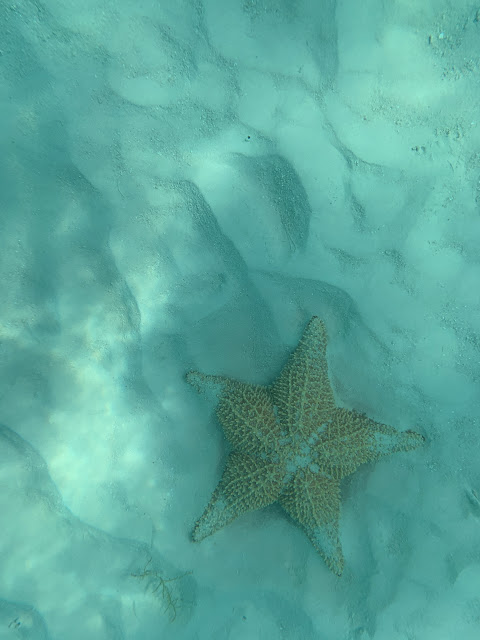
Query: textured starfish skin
<point x="292" y="445"/>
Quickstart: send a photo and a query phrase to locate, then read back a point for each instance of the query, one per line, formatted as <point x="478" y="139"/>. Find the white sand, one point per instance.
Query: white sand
<point x="183" y="184"/>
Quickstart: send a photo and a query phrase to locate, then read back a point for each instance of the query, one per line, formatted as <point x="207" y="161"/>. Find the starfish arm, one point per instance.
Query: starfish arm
<point x="248" y="483"/>
<point x="302" y="392"/>
<point x="386" y="440"/>
<point x="350" y="439"/>
<point x="313" y="501"/>
<point x="245" y="411"/>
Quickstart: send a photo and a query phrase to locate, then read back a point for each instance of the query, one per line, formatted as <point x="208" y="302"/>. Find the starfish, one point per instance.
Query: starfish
<point x="292" y="445"/>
